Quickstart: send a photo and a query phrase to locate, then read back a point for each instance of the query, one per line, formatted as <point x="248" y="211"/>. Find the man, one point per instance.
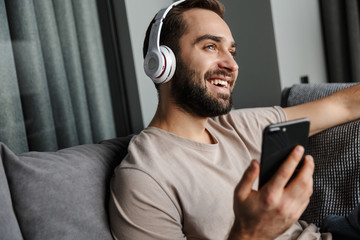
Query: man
<point x="180" y="179"/>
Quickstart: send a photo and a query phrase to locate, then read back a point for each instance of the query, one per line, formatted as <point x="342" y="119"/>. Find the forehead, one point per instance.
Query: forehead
<point x="202" y="21"/>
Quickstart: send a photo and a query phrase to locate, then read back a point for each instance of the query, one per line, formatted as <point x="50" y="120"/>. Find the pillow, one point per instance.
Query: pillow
<point x="9" y="228"/>
<point x="64" y="194"/>
<point x="336" y="155"/>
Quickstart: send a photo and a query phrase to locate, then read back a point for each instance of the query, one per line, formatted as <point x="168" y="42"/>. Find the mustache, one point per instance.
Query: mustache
<point x="219" y="72"/>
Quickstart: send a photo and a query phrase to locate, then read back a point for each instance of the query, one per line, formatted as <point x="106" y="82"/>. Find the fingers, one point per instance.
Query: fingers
<point x="302" y="185"/>
<point x="244" y="188"/>
<point x="300" y="188"/>
<point x="273" y="207"/>
<point x="286" y="170"/>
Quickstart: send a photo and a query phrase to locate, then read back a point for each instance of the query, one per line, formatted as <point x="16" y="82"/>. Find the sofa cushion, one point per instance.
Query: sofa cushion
<point x="336" y="155"/>
<point x="337" y="172"/>
<point x="64" y="194"/>
<point x="9" y="228"/>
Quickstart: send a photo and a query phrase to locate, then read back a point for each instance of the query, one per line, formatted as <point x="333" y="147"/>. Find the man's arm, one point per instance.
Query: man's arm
<point x="140" y="209"/>
<point x="337" y="108"/>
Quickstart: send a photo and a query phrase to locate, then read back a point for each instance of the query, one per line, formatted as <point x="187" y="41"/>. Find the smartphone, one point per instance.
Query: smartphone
<point x="278" y="141"/>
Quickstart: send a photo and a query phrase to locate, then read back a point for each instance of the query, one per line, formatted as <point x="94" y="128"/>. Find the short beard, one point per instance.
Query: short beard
<point x="193" y="97"/>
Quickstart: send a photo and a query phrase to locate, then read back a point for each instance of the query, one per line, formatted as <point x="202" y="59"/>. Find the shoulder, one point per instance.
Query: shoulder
<point x="252" y="117"/>
<point x="246" y="125"/>
<point x="266" y="115"/>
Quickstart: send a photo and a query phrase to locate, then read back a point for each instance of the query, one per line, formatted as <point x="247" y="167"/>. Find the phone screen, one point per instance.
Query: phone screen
<point x="278" y="141"/>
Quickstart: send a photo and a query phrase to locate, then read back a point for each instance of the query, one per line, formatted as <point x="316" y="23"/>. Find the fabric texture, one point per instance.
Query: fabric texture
<point x="341" y="227"/>
<point x="302" y="93"/>
<point x="169" y="187"/>
<point x="64" y="194"/>
<point x="336" y="156"/>
<point x="53" y="78"/>
<point x="354" y="219"/>
<point x="12" y="125"/>
<point x="9" y="228"/>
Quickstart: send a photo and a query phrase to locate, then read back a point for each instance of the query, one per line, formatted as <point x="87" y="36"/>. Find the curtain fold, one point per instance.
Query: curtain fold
<point x="58" y="88"/>
<point x="353" y="19"/>
<point x="54" y="88"/>
<point x="341" y="24"/>
<point x="31" y="75"/>
<point x="12" y="123"/>
<point x="94" y="69"/>
<point x="71" y="54"/>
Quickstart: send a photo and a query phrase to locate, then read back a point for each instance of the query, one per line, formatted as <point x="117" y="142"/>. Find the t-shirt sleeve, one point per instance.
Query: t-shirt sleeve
<point x="140" y="209"/>
<point x="258" y="117"/>
<point x="252" y="121"/>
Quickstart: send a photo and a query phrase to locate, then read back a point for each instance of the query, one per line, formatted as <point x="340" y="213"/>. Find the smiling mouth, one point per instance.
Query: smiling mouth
<point x="219" y="83"/>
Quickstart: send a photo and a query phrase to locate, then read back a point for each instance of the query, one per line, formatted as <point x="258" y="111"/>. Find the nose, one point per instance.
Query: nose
<point x="228" y="62"/>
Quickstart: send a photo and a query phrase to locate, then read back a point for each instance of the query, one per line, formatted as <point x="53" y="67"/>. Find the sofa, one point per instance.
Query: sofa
<point x="336" y="155"/>
<point x="64" y="194"/>
<point x="58" y="195"/>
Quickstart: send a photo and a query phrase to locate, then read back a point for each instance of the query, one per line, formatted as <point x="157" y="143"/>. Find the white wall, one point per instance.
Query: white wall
<point x="140" y="13"/>
<point x="299" y="42"/>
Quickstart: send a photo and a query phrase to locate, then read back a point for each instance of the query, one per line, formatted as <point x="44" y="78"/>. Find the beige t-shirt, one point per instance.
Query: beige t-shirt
<point x="169" y="187"/>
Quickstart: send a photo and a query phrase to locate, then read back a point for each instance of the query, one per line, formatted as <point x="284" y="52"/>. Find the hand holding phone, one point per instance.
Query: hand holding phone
<point x="278" y="141"/>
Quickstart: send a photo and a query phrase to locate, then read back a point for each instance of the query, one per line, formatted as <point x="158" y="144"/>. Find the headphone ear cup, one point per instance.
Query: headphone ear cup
<point x="154" y="64"/>
<point x="160" y="62"/>
<point x="170" y="63"/>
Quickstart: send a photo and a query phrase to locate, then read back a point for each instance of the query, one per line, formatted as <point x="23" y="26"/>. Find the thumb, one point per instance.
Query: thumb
<point x="244" y="188"/>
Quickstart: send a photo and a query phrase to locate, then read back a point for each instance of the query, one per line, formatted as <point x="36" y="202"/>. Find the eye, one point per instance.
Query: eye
<point x="210" y="47"/>
<point x="233" y="53"/>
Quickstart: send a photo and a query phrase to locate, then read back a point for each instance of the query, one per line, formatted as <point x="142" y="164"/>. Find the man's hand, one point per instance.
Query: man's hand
<point x="267" y="213"/>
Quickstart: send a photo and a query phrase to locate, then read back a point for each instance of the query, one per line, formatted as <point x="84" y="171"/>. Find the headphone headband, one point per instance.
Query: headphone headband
<point x="154" y="39"/>
<point x="158" y="65"/>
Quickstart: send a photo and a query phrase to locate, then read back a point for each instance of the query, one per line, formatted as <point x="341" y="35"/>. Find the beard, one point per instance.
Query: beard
<point x="192" y="95"/>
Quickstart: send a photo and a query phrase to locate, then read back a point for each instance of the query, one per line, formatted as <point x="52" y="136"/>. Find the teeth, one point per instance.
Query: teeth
<point x="219" y="82"/>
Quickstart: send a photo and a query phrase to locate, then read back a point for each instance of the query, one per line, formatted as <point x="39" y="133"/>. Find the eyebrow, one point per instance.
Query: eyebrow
<point x="212" y="37"/>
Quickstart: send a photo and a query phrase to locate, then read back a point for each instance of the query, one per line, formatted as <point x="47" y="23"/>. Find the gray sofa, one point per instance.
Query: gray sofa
<point x="336" y="154"/>
<point x="64" y="194"/>
<point x="58" y="195"/>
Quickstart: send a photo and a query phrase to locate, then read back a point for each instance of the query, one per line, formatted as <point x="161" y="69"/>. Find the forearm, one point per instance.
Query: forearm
<point x="340" y="107"/>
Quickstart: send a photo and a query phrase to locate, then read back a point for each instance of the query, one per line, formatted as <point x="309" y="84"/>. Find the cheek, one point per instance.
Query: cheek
<point x="197" y="60"/>
<point x="200" y="64"/>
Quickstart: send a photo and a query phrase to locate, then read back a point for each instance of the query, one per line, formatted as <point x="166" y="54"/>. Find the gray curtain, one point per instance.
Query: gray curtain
<point x="341" y="24"/>
<point x="54" y="90"/>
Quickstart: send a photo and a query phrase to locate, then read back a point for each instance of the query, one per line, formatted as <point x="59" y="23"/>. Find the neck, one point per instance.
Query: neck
<point x="172" y="118"/>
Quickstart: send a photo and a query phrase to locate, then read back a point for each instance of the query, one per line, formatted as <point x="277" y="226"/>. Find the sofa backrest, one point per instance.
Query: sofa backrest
<point x="58" y="195"/>
<point x="337" y="158"/>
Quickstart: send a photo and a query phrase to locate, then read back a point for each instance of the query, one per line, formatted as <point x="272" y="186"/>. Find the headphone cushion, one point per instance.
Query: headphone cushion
<point x="170" y="64"/>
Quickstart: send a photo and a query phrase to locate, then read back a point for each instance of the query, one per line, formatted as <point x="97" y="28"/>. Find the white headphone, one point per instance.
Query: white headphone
<point x="160" y="62"/>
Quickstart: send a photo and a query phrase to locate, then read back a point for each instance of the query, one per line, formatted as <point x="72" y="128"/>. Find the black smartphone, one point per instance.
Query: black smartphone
<point x="278" y="141"/>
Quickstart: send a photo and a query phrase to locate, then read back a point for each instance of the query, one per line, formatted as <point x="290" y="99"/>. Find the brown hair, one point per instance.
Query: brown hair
<point x="174" y="26"/>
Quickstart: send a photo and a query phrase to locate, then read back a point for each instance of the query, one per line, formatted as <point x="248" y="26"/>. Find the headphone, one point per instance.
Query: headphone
<point x="160" y="62"/>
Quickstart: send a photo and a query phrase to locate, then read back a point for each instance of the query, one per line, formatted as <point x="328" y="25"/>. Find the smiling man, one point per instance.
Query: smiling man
<point x="190" y="173"/>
